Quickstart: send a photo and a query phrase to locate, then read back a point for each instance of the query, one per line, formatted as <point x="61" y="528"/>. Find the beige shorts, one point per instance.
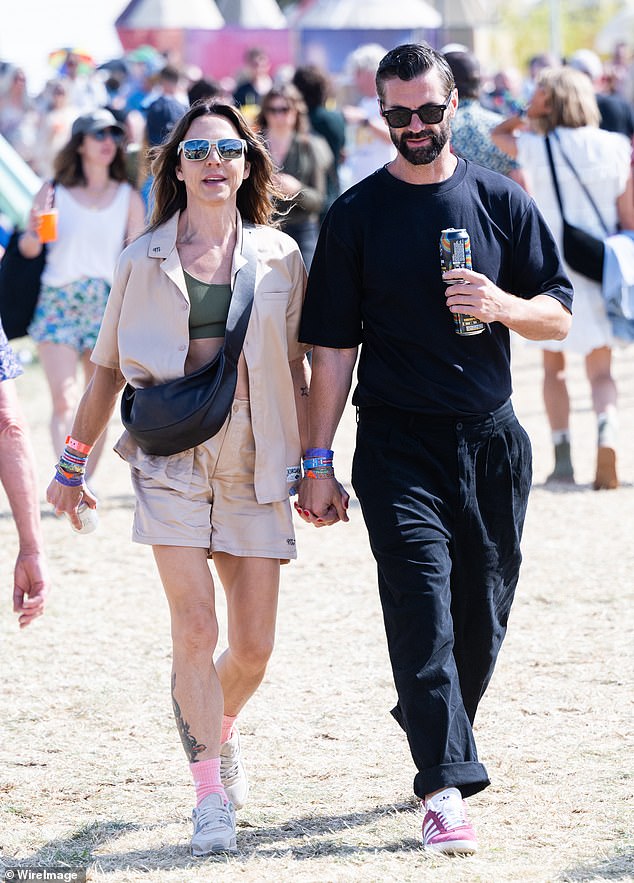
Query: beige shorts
<point x="208" y="501"/>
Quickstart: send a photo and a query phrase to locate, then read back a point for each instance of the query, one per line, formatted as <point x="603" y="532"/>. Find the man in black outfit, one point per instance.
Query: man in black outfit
<point x="442" y="468"/>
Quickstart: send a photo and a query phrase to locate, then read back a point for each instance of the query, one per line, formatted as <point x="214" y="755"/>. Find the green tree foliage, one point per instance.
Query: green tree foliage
<point x="529" y="28"/>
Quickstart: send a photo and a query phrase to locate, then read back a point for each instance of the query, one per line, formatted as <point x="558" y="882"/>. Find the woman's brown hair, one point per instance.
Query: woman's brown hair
<point x="257" y="193"/>
<point x="68" y="169"/>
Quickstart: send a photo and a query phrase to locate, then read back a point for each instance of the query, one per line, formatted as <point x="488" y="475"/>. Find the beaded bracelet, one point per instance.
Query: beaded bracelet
<point x="320" y="472"/>
<point x="71" y="464"/>
<point x="78" y="446"/>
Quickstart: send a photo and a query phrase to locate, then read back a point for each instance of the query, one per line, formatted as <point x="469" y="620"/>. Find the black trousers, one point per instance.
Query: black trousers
<point x="444" y="502"/>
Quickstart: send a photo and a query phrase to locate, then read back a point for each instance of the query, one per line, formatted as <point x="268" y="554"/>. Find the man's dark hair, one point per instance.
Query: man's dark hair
<point x="203" y="89"/>
<point x="466" y="73"/>
<point x="170" y="74"/>
<point x="313" y="84"/>
<point x="409" y="61"/>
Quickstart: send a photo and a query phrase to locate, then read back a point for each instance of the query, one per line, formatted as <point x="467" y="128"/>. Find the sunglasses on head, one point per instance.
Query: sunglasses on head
<point x="197" y="149"/>
<point x="431" y="114"/>
<point x="102" y="134"/>
<point x="279" y="108"/>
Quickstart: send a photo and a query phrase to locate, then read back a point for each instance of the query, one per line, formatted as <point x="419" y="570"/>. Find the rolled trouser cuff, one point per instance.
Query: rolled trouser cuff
<point x="469" y="778"/>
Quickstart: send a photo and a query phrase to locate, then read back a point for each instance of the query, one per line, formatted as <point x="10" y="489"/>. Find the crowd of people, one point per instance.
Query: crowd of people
<point x="172" y="193"/>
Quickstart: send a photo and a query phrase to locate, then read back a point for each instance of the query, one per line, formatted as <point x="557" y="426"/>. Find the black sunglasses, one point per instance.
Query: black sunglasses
<point x="102" y="134"/>
<point x="399" y="117"/>
<point x="197" y="149"/>
<point x="278" y="108"/>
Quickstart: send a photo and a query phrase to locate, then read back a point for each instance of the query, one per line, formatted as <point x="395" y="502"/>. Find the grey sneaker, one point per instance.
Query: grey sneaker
<point x="232" y="772"/>
<point x="214" y="826"/>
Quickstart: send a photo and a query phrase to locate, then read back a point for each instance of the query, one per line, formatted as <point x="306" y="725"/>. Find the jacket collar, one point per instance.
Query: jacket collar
<point x="163" y="245"/>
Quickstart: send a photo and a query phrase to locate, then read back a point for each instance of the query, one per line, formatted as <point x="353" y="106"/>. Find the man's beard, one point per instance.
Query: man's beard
<point x="425" y="154"/>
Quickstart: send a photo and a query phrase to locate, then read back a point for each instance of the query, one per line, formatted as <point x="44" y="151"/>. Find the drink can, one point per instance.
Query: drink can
<point x="455" y="253"/>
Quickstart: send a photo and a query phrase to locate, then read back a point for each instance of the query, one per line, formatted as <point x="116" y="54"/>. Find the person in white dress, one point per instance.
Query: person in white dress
<point x="564" y="106"/>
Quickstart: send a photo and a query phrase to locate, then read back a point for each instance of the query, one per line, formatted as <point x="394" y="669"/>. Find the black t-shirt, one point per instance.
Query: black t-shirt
<point x="616" y="114"/>
<point x="375" y="280"/>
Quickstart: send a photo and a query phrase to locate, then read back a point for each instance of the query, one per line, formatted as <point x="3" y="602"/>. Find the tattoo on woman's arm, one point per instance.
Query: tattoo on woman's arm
<point x="190" y="744"/>
<point x="304" y="390"/>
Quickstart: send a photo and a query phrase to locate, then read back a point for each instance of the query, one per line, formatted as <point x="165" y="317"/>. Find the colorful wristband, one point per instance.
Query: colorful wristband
<point x="319" y="452"/>
<point x="78" y="446"/>
<point x="68" y="482"/>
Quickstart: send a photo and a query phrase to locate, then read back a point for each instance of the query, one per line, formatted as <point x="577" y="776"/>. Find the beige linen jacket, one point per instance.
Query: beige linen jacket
<point x="145" y="334"/>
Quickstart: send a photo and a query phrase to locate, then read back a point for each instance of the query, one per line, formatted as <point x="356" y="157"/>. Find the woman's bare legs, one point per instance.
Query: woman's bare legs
<point x="196" y="689"/>
<point x="604" y="399"/>
<point x="60" y="363"/>
<point x="251" y="586"/>
<point x="557" y="403"/>
<point x="60" y="366"/>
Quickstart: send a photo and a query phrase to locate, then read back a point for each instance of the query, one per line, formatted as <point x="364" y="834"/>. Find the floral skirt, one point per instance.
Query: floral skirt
<point x="70" y="314"/>
<point x="9" y="365"/>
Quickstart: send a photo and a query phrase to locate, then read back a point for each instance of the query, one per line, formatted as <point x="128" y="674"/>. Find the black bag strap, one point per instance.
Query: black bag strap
<point x="241" y="298"/>
<point x="576" y="174"/>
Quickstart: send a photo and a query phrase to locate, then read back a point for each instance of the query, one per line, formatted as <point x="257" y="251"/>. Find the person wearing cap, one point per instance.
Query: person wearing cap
<point x="97" y="213"/>
<point x="472" y="124"/>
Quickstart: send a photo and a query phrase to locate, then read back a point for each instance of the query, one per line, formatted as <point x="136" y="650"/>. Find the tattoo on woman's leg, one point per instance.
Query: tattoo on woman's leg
<point x="190" y="744"/>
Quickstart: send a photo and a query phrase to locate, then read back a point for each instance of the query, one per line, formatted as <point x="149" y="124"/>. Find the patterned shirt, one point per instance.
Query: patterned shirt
<point x="9" y="365"/>
<point x="471" y="138"/>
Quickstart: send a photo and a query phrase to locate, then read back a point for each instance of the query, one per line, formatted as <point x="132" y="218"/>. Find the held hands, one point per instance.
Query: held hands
<point x="322" y="502"/>
<point x="477" y="296"/>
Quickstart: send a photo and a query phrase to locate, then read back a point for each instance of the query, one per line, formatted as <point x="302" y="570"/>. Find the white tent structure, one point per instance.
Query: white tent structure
<point x="167" y="14"/>
<point x="368" y="14"/>
<point x="252" y="13"/>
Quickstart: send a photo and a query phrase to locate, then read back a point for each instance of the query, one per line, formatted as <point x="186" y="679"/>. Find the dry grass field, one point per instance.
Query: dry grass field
<point x="92" y="772"/>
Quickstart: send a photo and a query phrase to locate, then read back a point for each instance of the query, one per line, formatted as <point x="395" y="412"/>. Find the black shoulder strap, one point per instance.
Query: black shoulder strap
<point x="576" y="174"/>
<point x="242" y="297"/>
<point x="554" y="174"/>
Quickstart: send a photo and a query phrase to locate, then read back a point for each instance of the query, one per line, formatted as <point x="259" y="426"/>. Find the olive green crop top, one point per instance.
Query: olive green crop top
<point x="209" y="308"/>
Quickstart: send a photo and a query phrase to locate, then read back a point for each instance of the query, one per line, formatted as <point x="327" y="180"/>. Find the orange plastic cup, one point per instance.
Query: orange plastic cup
<point x="47" y="228"/>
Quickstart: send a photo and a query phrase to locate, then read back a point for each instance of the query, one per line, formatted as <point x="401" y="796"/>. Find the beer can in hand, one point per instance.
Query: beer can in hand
<point x="455" y="253"/>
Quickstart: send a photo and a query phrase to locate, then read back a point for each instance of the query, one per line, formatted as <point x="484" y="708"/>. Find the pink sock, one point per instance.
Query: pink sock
<point x="206" y="775"/>
<point x="227" y="727"/>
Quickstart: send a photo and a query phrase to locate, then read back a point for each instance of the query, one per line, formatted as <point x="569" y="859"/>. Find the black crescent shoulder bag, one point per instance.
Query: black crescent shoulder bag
<point x="582" y="251"/>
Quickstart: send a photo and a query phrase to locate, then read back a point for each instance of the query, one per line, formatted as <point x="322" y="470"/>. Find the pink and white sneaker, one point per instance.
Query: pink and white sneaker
<point x="446" y="827"/>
